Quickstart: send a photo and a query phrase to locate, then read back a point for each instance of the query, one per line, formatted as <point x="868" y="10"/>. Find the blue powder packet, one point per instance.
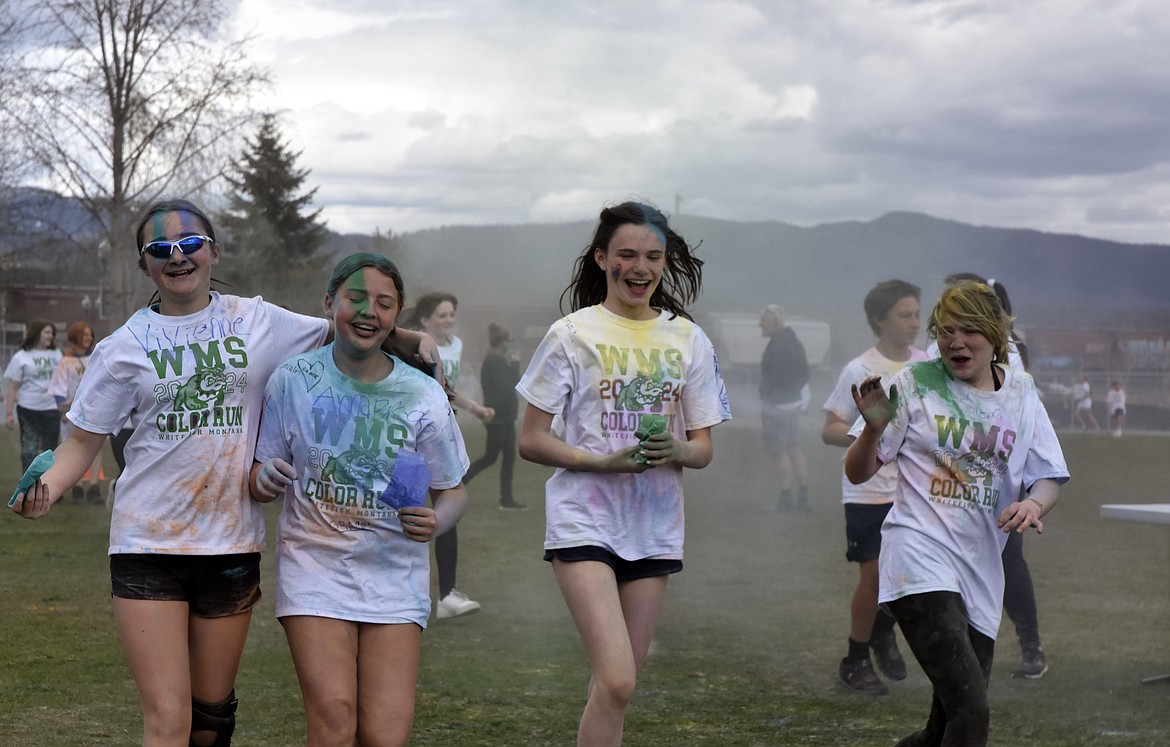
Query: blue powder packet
<point x="39" y="466"/>
<point x="409" y="482"/>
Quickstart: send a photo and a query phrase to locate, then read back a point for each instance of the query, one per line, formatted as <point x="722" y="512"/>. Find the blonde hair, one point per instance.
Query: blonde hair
<point x="973" y="305"/>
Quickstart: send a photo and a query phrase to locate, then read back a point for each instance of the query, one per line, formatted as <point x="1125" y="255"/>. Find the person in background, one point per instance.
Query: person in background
<point x="783" y="378"/>
<point x="434" y="313"/>
<point x="966" y="433"/>
<point x="1115" y="404"/>
<point x="637" y="387"/>
<point x="892" y="311"/>
<point x="29" y="401"/>
<point x="353" y="576"/>
<point x="62" y="387"/>
<point x="497" y="377"/>
<point x="1083" y="408"/>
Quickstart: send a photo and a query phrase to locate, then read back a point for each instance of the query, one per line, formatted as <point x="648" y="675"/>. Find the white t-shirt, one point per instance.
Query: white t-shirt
<point x="341" y="553"/>
<point x="601" y="373"/>
<point x="962" y="456"/>
<point x="1083" y="394"/>
<point x="66" y="378"/>
<point x="451" y="354"/>
<point x="879" y="489"/>
<point x="192" y="388"/>
<point x="1115" y="400"/>
<point x="32" y="370"/>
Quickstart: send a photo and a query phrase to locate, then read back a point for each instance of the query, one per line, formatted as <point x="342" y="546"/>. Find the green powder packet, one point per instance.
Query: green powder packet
<point x="648" y="426"/>
<point x="40" y="464"/>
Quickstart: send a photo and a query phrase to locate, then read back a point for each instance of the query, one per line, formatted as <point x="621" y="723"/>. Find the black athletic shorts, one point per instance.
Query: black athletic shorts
<point x="863" y="530"/>
<point x="623" y="570"/>
<point x="212" y="585"/>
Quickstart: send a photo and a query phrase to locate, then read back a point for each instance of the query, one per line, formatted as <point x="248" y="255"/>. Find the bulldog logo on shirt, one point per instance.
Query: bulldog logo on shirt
<point x="643" y="392"/>
<point x="205" y="389"/>
<point x="353" y="467"/>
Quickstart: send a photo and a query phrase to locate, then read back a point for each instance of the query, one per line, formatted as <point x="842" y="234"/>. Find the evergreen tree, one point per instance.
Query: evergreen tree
<point x="272" y="247"/>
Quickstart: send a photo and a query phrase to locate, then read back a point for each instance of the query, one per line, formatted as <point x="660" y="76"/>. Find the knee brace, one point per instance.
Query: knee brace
<point x="217" y="717"/>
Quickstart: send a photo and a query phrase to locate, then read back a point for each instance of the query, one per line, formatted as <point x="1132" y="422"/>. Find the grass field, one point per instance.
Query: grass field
<point x="746" y="650"/>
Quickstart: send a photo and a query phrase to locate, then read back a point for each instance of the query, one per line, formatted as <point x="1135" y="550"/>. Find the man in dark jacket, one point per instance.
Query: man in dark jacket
<point x="783" y="377"/>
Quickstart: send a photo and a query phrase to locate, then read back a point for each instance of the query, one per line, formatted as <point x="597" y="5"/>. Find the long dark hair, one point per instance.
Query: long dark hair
<point x="425" y="307"/>
<point x="32" y="334"/>
<point x="682" y="279"/>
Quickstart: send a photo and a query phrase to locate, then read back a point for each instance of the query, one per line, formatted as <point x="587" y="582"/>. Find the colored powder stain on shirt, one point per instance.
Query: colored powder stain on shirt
<point x="933" y="376"/>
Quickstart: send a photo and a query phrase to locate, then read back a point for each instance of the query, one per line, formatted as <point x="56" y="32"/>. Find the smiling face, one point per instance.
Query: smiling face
<point x="633" y="265"/>
<point x="183" y="280"/>
<point x="364" y="311"/>
<point x="441" y="323"/>
<point x="45" y="339"/>
<point x="966" y="353"/>
<point x="900" y="327"/>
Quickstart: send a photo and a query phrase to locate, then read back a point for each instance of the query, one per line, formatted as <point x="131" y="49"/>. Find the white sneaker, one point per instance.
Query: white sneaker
<point x="456" y="603"/>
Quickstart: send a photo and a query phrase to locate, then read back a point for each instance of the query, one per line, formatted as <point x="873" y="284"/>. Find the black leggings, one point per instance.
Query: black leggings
<point x="40" y="430"/>
<point x="501" y="441"/>
<point x="1019" y="597"/>
<point x="957" y="659"/>
<point x="447" y="558"/>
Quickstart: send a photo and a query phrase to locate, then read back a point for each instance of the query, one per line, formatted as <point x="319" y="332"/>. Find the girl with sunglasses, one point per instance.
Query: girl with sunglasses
<point x="187" y="373"/>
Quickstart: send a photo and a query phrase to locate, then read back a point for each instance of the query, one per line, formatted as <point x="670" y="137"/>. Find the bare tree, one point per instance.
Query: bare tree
<point x="125" y="101"/>
<point x="10" y="153"/>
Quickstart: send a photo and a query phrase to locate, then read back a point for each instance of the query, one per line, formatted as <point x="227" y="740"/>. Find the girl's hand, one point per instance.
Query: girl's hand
<point x="418" y="522"/>
<point x="485" y="414"/>
<point x="274" y="477"/>
<point x="35" y="502"/>
<point x="659" y="449"/>
<point x="1020" y="515"/>
<point x="428" y="353"/>
<point x="619" y="461"/>
<point x="875" y="407"/>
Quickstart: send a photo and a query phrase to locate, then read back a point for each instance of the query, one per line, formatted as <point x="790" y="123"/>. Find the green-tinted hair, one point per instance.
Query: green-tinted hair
<point x="975" y="306"/>
<point x="356" y="262"/>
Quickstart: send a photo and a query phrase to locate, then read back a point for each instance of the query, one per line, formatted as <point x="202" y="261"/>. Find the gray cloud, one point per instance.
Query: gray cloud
<point x="1020" y="114"/>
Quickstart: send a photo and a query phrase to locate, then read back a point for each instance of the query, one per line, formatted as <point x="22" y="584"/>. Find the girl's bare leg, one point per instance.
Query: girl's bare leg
<point x="616" y="626"/>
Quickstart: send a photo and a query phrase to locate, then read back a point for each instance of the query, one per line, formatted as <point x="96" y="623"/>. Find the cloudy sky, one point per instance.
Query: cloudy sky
<point x="1047" y="114"/>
